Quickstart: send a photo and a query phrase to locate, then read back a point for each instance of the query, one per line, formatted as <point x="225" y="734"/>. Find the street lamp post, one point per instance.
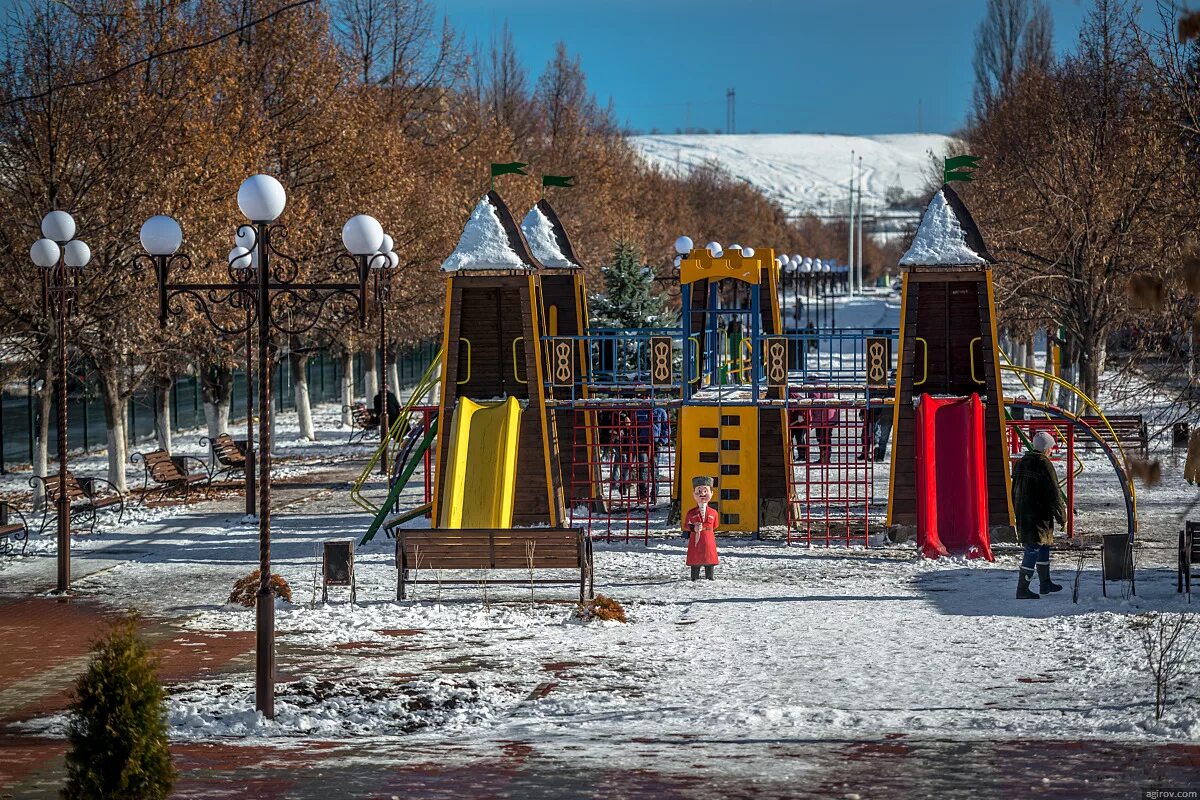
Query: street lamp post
<point x="271" y="300"/>
<point x="61" y="256"/>
<point x="382" y="264"/>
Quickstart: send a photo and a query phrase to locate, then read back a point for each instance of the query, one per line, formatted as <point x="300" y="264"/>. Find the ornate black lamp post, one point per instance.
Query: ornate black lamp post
<point x="266" y="298"/>
<point x="61" y="257"/>
<point x="382" y="265"/>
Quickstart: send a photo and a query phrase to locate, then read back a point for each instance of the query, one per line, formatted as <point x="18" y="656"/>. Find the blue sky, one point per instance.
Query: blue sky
<point x="839" y="66"/>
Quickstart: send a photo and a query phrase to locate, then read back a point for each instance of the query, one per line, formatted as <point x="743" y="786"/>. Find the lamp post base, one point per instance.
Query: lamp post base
<point x="264" y="673"/>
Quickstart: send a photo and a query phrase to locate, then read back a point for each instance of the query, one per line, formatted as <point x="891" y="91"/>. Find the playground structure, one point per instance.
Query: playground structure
<point x="547" y="421"/>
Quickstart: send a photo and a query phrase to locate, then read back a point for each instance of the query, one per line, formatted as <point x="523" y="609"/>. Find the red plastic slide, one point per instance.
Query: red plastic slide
<point x="951" y="478"/>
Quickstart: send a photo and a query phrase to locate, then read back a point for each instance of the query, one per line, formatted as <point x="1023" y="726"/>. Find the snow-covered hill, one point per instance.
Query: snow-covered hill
<point x="809" y="173"/>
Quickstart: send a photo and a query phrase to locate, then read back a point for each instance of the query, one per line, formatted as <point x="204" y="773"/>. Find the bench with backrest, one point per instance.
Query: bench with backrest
<point x="1130" y="430"/>
<point x="229" y="455"/>
<point x="87" y="497"/>
<point x="13" y="529"/>
<point x="529" y="549"/>
<point x="362" y="421"/>
<point x="164" y="473"/>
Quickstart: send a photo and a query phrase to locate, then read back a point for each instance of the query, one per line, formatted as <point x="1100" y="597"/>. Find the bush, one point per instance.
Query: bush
<point x="246" y="590"/>
<point x="602" y="608"/>
<point x="117" y="734"/>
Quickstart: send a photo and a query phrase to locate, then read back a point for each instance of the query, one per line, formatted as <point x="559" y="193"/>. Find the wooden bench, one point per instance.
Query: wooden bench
<point x="170" y="473"/>
<point x="86" y="497"/>
<point x="362" y="421"/>
<point x="1131" y="434"/>
<point x="229" y="455"/>
<point x="494" y="549"/>
<point x="12" y="532"/>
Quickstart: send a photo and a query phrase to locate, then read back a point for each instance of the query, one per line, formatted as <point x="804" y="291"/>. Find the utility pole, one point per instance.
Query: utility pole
<point x="850" y="244"/>
<point x="860" y="227"/>
<point x="730" y="110"/>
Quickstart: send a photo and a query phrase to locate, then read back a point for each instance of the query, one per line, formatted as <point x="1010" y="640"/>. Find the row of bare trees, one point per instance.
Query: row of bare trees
<point x="1089" y="179"/>
<point x="371" y="106"/>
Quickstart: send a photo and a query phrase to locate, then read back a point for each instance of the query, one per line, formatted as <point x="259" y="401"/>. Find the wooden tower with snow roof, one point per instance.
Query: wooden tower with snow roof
<point x="948" y="348"/>
<point x="564" y="309"/>
<point x="492" y="334"/>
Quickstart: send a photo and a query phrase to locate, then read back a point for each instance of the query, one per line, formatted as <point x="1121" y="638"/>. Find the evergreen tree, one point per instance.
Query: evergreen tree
<point x="118" y="732"/>
<point x="629" y="300"/>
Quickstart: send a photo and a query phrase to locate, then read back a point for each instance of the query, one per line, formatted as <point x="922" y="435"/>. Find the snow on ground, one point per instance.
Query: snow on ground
<point x="809" y="173"/>
<point x="294" y="456"/>
<point x="788" y="644"/>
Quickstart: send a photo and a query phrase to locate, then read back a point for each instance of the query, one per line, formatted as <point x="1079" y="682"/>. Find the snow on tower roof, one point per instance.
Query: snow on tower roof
<point x="547" y="237"/>
<point x="947" y="236"/>
<point x="491" y="240"/>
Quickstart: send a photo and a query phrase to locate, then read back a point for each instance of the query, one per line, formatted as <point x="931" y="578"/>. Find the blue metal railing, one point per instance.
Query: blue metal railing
<point x="618" y="362"/>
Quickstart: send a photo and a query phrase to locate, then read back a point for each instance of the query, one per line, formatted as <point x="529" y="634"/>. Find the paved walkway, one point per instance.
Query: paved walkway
<point x="45" y="641"/>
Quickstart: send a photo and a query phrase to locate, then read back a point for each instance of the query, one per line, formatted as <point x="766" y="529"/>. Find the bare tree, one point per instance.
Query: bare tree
<point x="1015" y="35"/>
<point x="1166" y="641"/>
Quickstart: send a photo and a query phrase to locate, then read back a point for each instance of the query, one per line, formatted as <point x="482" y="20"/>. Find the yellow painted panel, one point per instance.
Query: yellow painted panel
<point x="700" y="264"/>
<point x="481" y="481"/>
<point x="744" y="435"/>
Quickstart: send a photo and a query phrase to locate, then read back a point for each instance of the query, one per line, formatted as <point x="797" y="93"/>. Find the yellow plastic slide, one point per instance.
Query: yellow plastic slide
<point x="482" y="469"/>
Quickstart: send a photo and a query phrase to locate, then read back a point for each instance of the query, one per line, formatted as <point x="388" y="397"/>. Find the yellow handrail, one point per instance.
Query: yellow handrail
<point x="514" y="355"/>
<point x="398" y="427"/>
<point x="1057" y="381"/>
<point x="925" y="360"/>
<point x="971" y="357"/>
<point x="468" y="378"/>
<point x="695" y="340"/>
<point x="1079" y="465"/>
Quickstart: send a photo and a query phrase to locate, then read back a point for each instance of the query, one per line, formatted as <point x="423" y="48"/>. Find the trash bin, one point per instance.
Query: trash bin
<point x="1116" y="557"/>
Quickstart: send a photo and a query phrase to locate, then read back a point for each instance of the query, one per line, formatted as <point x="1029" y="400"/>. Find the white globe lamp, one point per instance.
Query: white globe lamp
<point x="58" y="226"/>
<point x="76" y="254"/>
<point x="362" y="235"/>
<point x="45" y="253"/>
<point x="161" y="235"/>
<point x="261" y="198"/>
<point x="683" y="245"/>
<point x="240" y="258"/>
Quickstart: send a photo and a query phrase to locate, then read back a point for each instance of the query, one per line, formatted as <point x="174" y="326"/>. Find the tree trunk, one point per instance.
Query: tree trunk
<point x="1070" y="363"/>
<point x="1091" y="366"/>
<point x="116" y="411"/>
<point x="370" y="375"/>
<point x="1047" y="384"/>
<point x="300" y="393"/>
<point x="41" y="449"/>
<point x="162" y="417"/>
<point x="347" y="387"/>
<point x="1027" y="355"/>
<point x="216" y="391"/>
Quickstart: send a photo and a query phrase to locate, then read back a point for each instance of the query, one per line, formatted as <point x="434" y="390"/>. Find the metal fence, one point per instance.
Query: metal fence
<point x="85" y="408"/>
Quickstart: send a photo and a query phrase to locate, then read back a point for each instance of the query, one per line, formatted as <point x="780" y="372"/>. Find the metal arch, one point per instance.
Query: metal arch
<point x="1090" y="432"/>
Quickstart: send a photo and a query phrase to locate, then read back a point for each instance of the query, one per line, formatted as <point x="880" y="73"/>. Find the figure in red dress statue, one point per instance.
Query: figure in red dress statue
<point x="701" y="524"/>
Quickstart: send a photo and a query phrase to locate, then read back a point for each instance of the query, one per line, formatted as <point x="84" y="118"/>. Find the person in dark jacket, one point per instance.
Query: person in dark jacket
<point x="1038" y="505"/>
<point x="393" y="407"/>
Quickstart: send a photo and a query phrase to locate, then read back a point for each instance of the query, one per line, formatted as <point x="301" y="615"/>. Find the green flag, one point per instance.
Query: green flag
<point x="565" y="181"/>
<point x="511" y="168"/>
<point x="959" y="168"/>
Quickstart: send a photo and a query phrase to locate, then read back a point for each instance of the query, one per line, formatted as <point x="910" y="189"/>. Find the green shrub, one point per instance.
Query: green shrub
<point x="118" y="732"/>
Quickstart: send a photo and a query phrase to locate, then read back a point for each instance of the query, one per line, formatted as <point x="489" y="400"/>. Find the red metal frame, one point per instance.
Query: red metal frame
<point x="630" y="472"/>
<point x="831" y="482"/>
<point x="1063" y="452"/>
